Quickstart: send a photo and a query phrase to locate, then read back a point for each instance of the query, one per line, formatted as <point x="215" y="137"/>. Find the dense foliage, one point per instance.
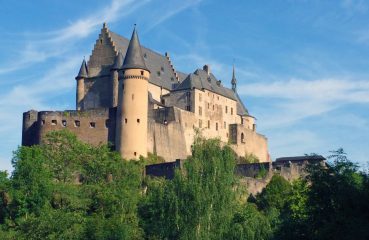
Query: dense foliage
<point x="66" y="189"/>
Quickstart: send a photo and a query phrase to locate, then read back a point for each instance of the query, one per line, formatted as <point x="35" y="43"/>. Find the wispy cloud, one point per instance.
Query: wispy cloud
<point x="294" y="99"/>
<point x="41" y="46"/>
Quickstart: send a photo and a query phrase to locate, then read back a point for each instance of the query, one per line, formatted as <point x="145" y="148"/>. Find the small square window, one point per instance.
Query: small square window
<point x="77" y="123"/>
<point x="53" y="122"/>
<point x="92" y="124"/>
<point x="64" y="123"/>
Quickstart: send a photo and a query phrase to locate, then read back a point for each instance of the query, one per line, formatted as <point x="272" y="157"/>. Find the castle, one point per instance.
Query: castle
<point x="134" y="98"/>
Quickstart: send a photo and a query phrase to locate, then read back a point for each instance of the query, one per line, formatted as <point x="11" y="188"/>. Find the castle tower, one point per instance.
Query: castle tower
<point x="81" y="85"/>
<point x="234" y="81"/>
<point x="132" y="112"/>
<point x="114" y="75"/>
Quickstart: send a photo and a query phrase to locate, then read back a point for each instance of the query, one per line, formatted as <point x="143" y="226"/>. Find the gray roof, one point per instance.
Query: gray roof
<point x="118" y="62"/>
<point x="162" y="73"/>
<point x="82" y="71"/>
<point x="301" y="158"/>
<point x="134" y="58"/>
<point x="201" y="80"/>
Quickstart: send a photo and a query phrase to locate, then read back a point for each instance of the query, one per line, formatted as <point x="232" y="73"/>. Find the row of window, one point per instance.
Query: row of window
<point x="216" y="125"/>
<point x="76" y="123"/>
<point x="215" y="106"/>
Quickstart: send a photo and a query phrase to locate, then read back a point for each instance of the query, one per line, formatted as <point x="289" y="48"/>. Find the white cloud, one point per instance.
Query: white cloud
<point x="42" y="46"/>
<point x="294" y="99"/>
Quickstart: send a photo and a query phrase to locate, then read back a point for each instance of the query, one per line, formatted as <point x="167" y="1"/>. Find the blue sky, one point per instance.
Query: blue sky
<point x="302" y="66"/>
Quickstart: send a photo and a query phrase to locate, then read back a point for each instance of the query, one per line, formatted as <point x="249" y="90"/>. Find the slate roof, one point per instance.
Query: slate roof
<point x="82" y="71"/>
<point x="162" y="73"/>
<point x="301" y="158"/>
<point x="134" y="58"/>
<point x="201" y="80"/>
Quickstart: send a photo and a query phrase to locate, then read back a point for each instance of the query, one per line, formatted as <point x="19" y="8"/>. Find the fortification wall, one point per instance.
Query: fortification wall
<point x="246" y="141"/>
<point x="93" y="126"/>
<point x="166" y="135"/>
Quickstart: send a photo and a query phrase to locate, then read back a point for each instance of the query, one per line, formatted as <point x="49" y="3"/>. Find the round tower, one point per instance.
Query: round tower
<point x="132" y="113"/>
<point x="80" y="94"/>
<point x="114" y="75"/>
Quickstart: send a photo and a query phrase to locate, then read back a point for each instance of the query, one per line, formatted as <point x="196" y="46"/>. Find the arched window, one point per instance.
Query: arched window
<point x="242" y="138"/>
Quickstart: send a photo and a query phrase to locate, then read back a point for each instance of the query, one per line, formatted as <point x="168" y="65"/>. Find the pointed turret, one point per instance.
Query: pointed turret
<point x="80" y="93"/>
<point x="132" y="108"/>
<point x="82" y="71"/>
<point x="118" y="62"/>
<point x="134" y="58"/>
<point x="234" y="81"/>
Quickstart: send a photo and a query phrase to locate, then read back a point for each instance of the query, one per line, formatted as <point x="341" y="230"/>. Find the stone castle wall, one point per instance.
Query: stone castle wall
<point x="91" y="126"/>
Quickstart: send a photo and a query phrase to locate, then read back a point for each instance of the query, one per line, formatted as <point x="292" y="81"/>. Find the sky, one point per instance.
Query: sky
<point x="302" y="66"/>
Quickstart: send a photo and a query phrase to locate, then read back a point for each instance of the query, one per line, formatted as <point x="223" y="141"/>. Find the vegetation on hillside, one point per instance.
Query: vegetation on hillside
<point x="66" y="189"/>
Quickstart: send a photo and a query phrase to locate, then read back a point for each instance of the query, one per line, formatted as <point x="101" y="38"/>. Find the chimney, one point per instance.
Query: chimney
<point x="206" y="68"/>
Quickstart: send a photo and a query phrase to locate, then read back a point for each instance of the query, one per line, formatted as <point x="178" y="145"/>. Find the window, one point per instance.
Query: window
<point x="142" y="73"/>
<point x="53" y="122"/>
<point x="162" y="69"/>
<point x="218" y="97"/>
<point x="107" y="123"/>
<point x="158" y="72"/>
<point x="125" y="120"/>
<point x="226" y="109"/>
<point x="200" y="123"/>
<point x="242" y="138"/>
<point x="92" y="124"/>
<point x="135" y="153"/>
<point x="200" y="97"/>
<point x="163" y="101"/>
<point x="100" y="41"/>
<point x="225" y="125"/>
<point x="133" y="96"/>
<point x="172" y="79"/>
<point x="188" y="108"/>
<point x="77" y="123"/>
<point x="242" y="120"/>
<point x="231" y="111"/>
<point x="208" y="123"/>
<point x="208" y="105"/>
<point x="216" y="126"/>
<point x="42" y="122"/>
<point x="64" y="123"/>
<point x="200" y="111"/>
<point x="138" y="120"/>
<point x="213" y="107"/>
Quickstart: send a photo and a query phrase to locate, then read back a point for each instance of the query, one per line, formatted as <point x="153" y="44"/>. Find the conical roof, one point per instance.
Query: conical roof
<point x="118" y="61"/>
<point x="82" y="71"/>
<point x="134" y="58"/>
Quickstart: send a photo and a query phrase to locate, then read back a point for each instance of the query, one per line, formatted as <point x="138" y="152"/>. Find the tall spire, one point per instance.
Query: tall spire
<point x="234" y="81"/>
<point x="83" y="70"/>
<point x="134" y="58"/>
<point x="118" y="62"/>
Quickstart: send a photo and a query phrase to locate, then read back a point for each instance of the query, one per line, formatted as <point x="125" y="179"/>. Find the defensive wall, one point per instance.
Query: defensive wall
<point x="253" y="175"/>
